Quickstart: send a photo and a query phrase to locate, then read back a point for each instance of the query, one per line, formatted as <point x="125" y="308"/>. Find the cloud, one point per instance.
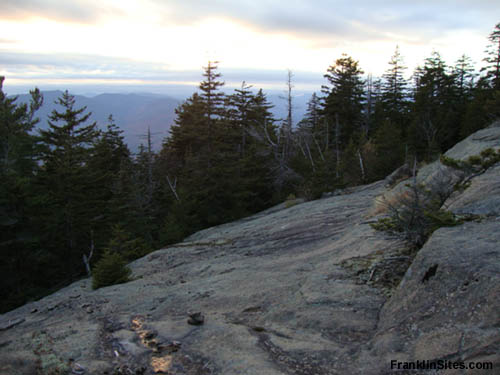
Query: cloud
<point x="7" y="41"/>
<point x="261" y="34"/>
<point x="303" y="18"/>
<point x="77" y="66"/>
<point x="361" y="19"/>
<point x="71" y="65"/>
<point x="79" y="11"/>
<point x="56" y="70"/>
<point x="320" y="23"/>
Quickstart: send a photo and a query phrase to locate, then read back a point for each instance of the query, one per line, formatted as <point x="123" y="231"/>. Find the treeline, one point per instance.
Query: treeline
<point x="73" y="192"/>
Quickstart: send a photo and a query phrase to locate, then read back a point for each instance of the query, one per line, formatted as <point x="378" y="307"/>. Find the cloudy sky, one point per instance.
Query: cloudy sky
<point x="113" y="45"/>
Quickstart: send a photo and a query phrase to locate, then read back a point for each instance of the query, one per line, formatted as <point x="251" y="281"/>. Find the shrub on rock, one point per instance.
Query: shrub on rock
<point x="129" y="248"/>
<point x="110" y="269"/>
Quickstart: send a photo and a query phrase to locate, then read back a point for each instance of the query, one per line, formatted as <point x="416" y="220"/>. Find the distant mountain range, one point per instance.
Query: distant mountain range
<point x="134" y="113"/>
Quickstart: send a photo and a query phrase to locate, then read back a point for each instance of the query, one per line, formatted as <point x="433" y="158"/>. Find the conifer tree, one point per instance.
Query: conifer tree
<point x="345" y="97"/>
<point x="66" y="178"/>
<point x="18" y="200"/>
<point x="144" y="191"/>
<point x="212" y="98"/>
<point x="493" y="58"/>
<point x="343" y="106"/>
<point x="390" y="149"/>
<point x="394" y="94"/>
<point x="313" y="113"/>
<point x="110" y="269"/>
<point x="17" y="144"/>
<point x="242" y="101"/>
<point x="492" y="105"/>
<point x="464" y="75"/>
<point x="307" y="134"/>
<point x="485" y="103"/>
<point x="433" y="123"/>
<point x="195" y="150"/>
<point x="109" y="153"/>
<point x="253" y="177"/>
<point x="392" y="116"/>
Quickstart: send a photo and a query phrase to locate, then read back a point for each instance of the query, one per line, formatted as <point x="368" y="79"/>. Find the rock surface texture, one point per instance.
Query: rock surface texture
<point x="310" y="289"/>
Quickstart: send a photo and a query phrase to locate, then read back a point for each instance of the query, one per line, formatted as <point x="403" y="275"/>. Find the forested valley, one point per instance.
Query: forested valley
<point x="73" y="194"/>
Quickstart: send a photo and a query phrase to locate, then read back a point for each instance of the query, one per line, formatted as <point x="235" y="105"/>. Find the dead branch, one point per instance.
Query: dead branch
<point x="173" y="187"/>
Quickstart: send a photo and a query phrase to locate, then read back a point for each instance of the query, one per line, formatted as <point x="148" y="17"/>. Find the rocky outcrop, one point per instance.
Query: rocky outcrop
<point x="309" y="289"/>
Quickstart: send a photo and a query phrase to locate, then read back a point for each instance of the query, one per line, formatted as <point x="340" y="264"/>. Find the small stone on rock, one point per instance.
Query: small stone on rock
<point x="196" y="319"/>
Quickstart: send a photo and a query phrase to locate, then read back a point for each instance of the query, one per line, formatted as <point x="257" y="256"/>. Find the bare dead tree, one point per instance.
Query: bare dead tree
<point x="429" y="132"/>
<point x="281" y="169"/>
<point x="337" y="146"/>
<point x="365" y="126"/>
<point x="309" y="154"/>
<point x="173" y="187"/>
<point x="289" y="118"/>
<point x="302" y="138"/>
<point x="86" y="259"/>
<point x="150" y="183"/>
<point x="361" y="165"/>
<point x="288" y="122"/>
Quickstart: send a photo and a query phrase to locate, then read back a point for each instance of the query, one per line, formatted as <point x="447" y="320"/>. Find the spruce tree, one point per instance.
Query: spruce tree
<point x="492" y="105"/>
<point x="109" y="153"/>
<point x="195" y="152"/>
<point x="19" y="198"/>
<point x="213" y="100"/>
<point x="252" y="175"/>
<point x="309" y="138"/>
<point x="67" y="180"/>
<point x="485" y="103"/>
<point x="394" y="93"/>
<point x="464" y="76"/>
<point x="433" y="124"/>
<point x="343" y="107"/>
<point x="110" y="269"/>
<point x="492" y="59"/>
<point x="145" y="186"/>
<point x="313" y="121"/>
<point x="241" y="101"/>
<point x="344" y="98"/>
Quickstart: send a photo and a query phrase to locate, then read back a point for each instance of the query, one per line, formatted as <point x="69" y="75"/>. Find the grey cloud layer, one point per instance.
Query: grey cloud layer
<point x="324" y="22"/>
<point x="360" y="18"/>
<point x="81" y="67"/>
<point x="355" y="19"/>
<point x="79" y="11"/>
<point x="73" y="64"/>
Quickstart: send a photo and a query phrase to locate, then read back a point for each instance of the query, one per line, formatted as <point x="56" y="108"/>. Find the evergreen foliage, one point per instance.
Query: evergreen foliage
<point x="66" y="179"/>
<point x="493" y="59"/>
<point x="127" y="246"/>
<point x="110" y="269"/>
<point x="344" y="97"/>
<point x="18" y="200"/>
<point x="416" y="215"/>
<point x="394" y="92"/>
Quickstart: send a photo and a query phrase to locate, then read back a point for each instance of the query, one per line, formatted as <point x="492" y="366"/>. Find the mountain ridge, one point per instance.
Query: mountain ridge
<point x="133" y="113"/>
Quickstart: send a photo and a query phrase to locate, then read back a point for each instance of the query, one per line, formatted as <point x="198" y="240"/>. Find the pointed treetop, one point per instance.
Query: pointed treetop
<point x="493" y="58"/>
